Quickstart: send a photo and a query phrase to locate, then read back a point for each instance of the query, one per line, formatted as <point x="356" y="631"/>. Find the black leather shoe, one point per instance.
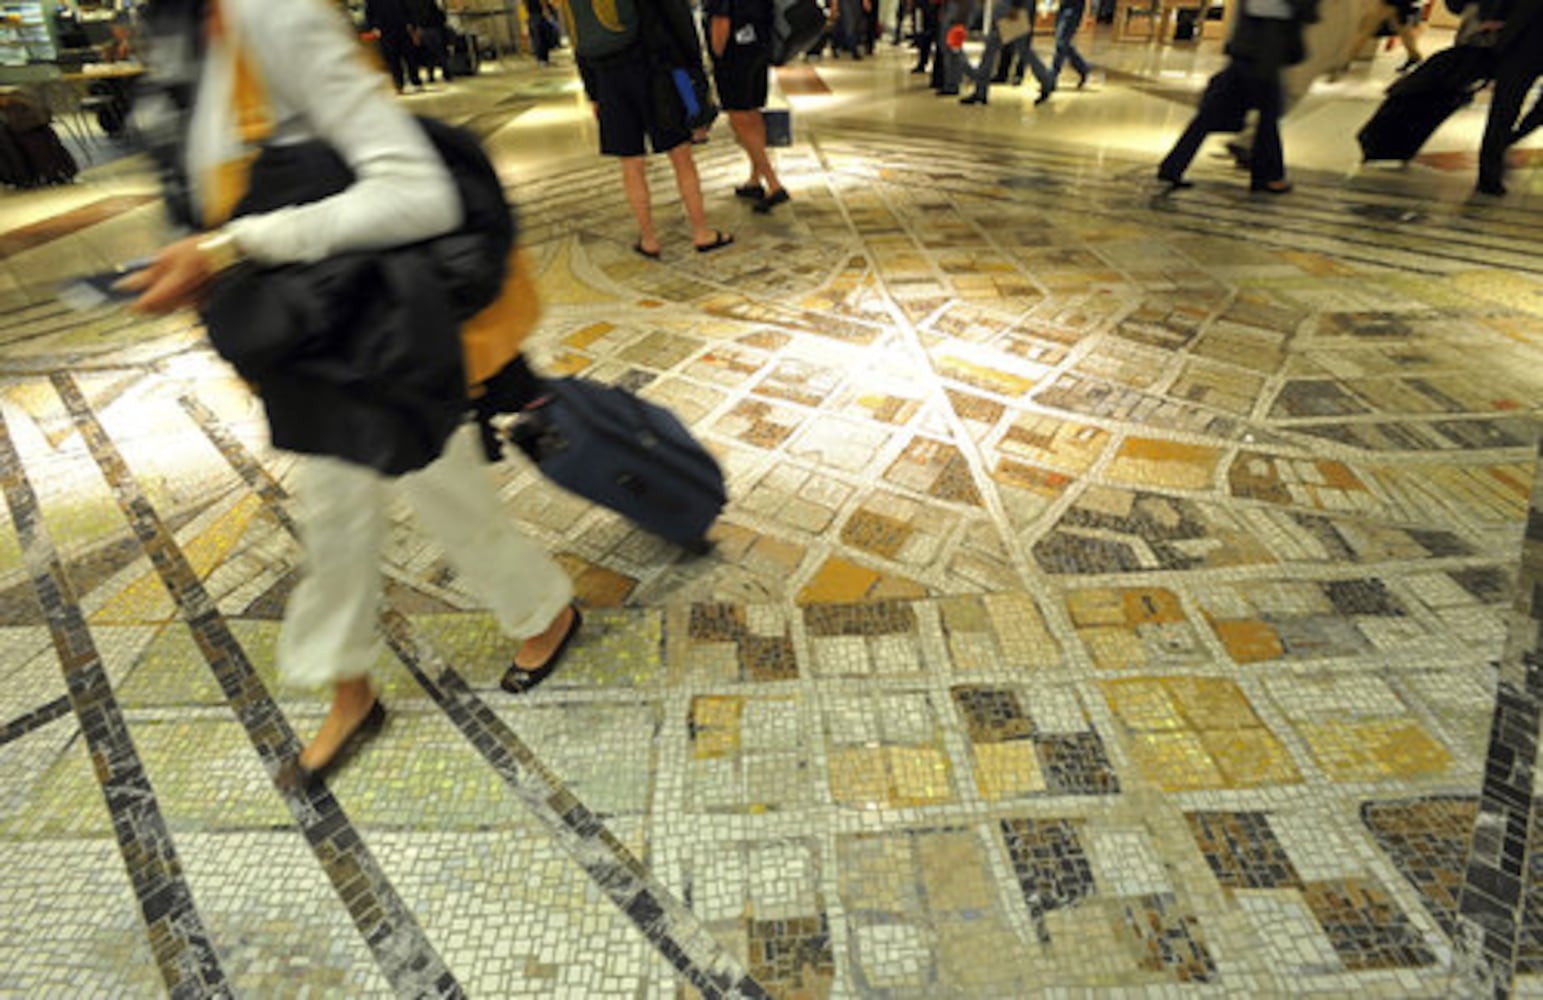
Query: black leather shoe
<point x="1174" y="183"/>
<point x="518" y="680"/>
<point x="1490" y="187"/>
<point x="975" y="98"/>
<point x="294" y="776"/>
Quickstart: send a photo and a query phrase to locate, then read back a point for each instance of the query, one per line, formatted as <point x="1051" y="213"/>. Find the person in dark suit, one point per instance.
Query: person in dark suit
<point x="393" y="21"/>
<point x="429" y="18"/>
<point x="1267" y="39"/>
<point x="1519" y="27"/>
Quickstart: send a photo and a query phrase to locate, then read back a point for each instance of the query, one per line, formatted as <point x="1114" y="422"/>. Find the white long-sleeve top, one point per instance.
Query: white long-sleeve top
<point x="319" y="86"/>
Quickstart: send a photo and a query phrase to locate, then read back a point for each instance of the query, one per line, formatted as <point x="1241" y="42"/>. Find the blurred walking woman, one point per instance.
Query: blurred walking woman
<point x="234" y="75"/>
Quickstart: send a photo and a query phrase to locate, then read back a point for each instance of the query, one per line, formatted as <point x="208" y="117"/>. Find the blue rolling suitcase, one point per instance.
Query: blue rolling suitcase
<point x="627" y="454"/>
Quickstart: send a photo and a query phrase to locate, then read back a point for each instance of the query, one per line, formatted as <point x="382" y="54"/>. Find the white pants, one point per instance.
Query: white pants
<point x="329" y="632"/>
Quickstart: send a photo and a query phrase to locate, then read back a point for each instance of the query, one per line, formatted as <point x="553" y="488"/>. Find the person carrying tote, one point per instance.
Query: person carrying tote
<point x="232" y="75"/>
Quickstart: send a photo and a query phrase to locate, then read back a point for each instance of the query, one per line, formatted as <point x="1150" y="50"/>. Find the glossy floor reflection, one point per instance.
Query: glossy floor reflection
<point x="1118" y="592"/>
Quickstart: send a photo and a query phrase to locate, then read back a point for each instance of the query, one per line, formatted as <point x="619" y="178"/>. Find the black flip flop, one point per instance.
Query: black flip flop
<point x="720" y="240"/>
<point x="650" y="254"/>
<point x="518" y="680"/>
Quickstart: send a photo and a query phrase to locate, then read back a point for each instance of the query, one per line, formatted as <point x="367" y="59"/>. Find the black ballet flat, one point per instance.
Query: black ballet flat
<point x="294" y="776"/>
<point x="518" y="680"/>
<point x="753" y="192"/>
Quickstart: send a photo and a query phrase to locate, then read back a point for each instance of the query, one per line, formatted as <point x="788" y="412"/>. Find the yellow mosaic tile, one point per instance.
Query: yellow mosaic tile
<point x="964" y="614"/>
<point x="1043" y="482"/>
<point x="1248" y="758"/>
<point x="715" y="726"/>
<point x="841" y="582"/>
<point x="1212" y="703"/>
<point x="984" y="377"/>
<point x="594" y="585"/>
<point x="919" y="775"/>
<point x="560" y="283"/>
<point x="1372" y="751"/>
<point x="1021" y="630"/>
<point x="1249" y="641"/>
<point x="876" y="534"/>
<point x="1175" y="761"/>
<point x="1096" y="607"/>
<point x="859" y="776"/>
<point x="953" y="869"/>
<point x="1151" y="606"/>
<point x="146" y="600"/>
<point x="1114" y="648"/>
<point x="584" y="337"/>
<point x="1006" y="770"/>
<point x="1142" y="704"/>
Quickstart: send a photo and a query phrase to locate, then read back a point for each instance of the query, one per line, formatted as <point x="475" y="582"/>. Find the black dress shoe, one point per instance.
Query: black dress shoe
<point x="518" y="680"/>
<point x="1044" y="95"/>
<point x="1174" y="183"/>
<point x="975" y="98"/>
<point x="294" y="776"/>
<point x="1490" y="187"/>
<point x="1271" y="187"/>
<point x="1082" y="80"/>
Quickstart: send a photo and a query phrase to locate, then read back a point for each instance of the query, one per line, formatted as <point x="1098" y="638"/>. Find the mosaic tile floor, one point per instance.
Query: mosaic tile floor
<point x="1118" y="597"/>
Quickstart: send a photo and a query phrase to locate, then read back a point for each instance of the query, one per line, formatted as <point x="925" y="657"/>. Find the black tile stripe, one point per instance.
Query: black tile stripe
<point x="404" y="953"/>
<point x="1494" y="891"/>
<point x="181" y="945"/>
<point x="38" y="717"/>
<point x="664" y="920"/>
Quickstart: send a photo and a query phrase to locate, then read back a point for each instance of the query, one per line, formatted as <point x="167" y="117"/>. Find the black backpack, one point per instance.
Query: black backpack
<point x="471" y="260"/>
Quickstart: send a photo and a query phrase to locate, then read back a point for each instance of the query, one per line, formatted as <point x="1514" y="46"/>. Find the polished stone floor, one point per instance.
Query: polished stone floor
<point x="1118" y="596"/>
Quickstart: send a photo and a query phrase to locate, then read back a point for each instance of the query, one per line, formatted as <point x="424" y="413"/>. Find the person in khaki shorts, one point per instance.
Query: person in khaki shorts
<point x="739" y="35"/>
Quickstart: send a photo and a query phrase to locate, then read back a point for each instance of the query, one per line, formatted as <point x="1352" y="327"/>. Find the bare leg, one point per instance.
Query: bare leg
<point x="634" y="180"/>
<point x="351" y="702"/>
<point x="690" y="187"/>
<point x="750" y="131"/>
<point x="536" y="650"/>
<point x="1411" y="46"/>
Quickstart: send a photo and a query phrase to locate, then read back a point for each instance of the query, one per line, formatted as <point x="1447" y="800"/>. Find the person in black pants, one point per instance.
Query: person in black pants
<point x="927" y="43"/>
<point x="850" y="17"/>
<point x="429" y="17"/>
<point x="1519" y="24"/>
<point x="739" y="36"/>
<point x="392" y="20"/>
<point x="1268" y="38"/>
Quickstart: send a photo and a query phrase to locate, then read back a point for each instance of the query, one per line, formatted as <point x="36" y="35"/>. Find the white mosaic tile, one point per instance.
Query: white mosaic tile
<point x="1126" y="863"/>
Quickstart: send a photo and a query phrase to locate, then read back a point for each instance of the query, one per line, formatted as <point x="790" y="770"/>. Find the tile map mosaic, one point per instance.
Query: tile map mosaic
<point x="1116" y="594"/>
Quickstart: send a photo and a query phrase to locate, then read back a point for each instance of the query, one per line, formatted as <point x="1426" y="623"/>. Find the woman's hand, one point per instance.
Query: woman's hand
<point x="175" y="279"/>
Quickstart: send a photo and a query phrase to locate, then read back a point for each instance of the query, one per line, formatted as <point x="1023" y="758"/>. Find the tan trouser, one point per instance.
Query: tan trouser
<point x="329" y="632"/>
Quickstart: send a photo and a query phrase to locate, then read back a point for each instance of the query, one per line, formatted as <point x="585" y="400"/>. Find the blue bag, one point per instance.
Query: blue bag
<point x="627" y="454"/>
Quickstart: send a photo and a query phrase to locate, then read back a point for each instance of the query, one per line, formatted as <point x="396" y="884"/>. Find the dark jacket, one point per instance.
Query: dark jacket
<point x="359" y="356"/>
<point x="426" y="13"/>
<point x="387" y="16"/>
<point x="1521" y="17"/>
<point x="1265" y="46"/>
